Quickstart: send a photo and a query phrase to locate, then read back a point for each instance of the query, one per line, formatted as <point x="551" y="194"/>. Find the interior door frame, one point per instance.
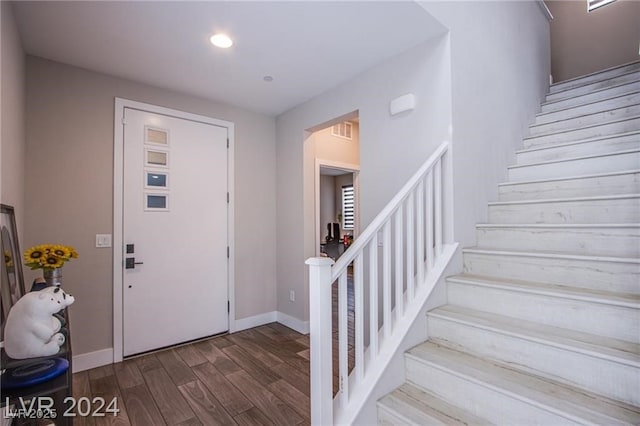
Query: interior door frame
<point x="118" y="209"/>
<point x="349" y="168"/>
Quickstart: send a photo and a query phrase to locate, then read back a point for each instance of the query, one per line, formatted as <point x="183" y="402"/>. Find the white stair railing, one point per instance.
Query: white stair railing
<point x="400" y="256"/>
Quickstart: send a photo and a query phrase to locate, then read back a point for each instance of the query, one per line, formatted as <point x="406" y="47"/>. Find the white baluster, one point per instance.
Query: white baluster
<point x="386" y="279"/>
<point x="399" y="261"/>
<point x="358" y="288"/>
<point x="358" y="283"/>
<point x="410" y="250"/>
<point x="373" y="297"/>
<point x="320" y="340"/>
<point x="430" y="207"/>
<point x="420" y="232"/>
<point x="438" y="205"/>
<point x="343" y="339"/>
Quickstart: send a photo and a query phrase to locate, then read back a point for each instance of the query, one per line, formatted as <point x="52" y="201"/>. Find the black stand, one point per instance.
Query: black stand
<point x="57" y="388"/>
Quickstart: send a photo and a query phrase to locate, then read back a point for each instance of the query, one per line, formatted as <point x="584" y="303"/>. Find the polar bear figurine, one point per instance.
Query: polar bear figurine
<point x="31" y="329"/>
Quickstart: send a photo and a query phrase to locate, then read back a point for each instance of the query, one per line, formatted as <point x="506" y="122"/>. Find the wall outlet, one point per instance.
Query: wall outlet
<point x="292" y="296"/>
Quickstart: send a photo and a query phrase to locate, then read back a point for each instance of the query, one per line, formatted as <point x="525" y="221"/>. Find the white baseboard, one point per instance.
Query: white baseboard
<point x="301" y="327"/>
<point x="92" y="360"/>
<point x="254" y="321"/>
<point x="273" y="316"/>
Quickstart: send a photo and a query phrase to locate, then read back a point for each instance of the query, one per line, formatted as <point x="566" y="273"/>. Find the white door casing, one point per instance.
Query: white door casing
<point x="183" y="289"/>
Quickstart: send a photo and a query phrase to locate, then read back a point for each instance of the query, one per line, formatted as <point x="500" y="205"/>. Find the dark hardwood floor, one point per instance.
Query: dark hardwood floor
<point x="255" y="377"/>
<point x="258" y="376"/>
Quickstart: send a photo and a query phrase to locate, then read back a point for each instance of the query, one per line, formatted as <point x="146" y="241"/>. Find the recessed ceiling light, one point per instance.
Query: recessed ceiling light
<point x="221" y="40"/>
<point x="267" y="78"/>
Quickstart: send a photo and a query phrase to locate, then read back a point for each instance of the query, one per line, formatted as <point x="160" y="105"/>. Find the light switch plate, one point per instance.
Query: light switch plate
<point x="103" y="240"/>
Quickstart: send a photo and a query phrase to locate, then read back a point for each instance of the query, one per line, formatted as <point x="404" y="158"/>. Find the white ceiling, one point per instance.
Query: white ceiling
<point x="307" y="47"/>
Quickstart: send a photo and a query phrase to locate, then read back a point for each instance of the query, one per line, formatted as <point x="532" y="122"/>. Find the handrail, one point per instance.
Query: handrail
<point x="401" y="256"/>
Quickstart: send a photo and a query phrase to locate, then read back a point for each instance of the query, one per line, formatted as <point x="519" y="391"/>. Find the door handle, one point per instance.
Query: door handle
<point x="130" y="263"/>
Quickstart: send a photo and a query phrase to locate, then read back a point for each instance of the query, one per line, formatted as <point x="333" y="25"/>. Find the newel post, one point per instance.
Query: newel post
<point x="320" y="340"/>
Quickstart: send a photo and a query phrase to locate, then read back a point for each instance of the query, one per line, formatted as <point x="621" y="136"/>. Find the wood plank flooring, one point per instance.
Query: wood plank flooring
<point x="258" y="376"/>
<point x="255" y="377"/>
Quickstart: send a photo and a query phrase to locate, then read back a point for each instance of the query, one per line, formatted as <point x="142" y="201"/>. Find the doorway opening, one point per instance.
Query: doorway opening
<point x="336" y="209"/>
<point x="336" y="150"/>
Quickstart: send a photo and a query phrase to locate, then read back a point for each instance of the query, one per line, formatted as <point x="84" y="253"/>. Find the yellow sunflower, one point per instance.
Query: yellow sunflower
<point x="61" y="251"/>
<point x="34" y="254"/>
<point x="49" y="256"/>
<point x="51" y="261"/>
<point x="74" y="253"/>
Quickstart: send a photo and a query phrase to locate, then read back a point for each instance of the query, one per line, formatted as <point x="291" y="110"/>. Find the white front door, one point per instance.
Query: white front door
<point x="175" y="209"/>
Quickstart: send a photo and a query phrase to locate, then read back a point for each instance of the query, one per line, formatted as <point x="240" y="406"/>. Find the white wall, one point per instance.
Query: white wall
<point x="12" y="118"/>
<point x="391" y="149"/>
<point x="500" y="72"/>
<point x="70" y="177"/>
<point x="498" y="85"/>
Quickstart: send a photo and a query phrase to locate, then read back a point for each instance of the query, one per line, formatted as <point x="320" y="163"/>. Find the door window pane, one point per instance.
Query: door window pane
<point x="157" y="158"/>
<point x="157" y="136"/>
<point x="157" y="180"/>
<point x="157" y="202"/>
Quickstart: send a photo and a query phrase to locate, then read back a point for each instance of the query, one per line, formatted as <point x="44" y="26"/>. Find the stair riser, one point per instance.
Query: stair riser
<point x="579" y="167"/>
<point x="410" y="405"/>
<point x="496" y="407"/>
<point x="591" y="97"/>
<point x="587" y="187"/>
<point x="603" y="320"/>
<point x="393" y="416"/>
<point x="591" y="108"/>
<point x="586" y="120"/>
<point x="616" y="242"/>
<point x="595" y="147"/>
<point x="605" y="129"/>
<point x="596" y="275"/>
<point x="598" y="375"/>
<point x="591" y="87"/>
<point x="603" y="75"/>
<point x="390" y="418"/>
<point x="386" y="418"/>
<point x="626" y="210"/>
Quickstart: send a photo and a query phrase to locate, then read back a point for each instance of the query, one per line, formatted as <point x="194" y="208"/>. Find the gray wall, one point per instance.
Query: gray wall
<point x="584" y="42"/>
<point x="328" y="205"/>
<point x="12" y="112"/>
<point x="69" y="182"/>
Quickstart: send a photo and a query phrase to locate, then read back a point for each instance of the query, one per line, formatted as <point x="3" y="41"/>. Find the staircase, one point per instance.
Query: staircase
<point x="543" y="325"/>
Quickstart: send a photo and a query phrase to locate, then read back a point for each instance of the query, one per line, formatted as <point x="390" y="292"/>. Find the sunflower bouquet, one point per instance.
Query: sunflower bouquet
<point x="49" y="256"/>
